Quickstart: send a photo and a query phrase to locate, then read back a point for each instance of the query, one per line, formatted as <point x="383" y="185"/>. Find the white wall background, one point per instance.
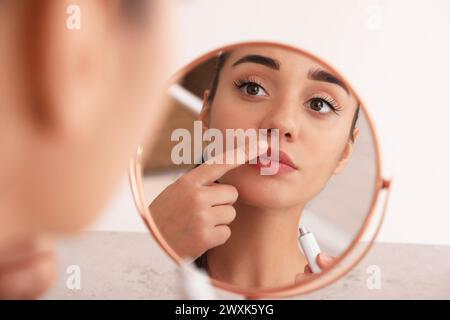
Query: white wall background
<point x="395" y="53"/>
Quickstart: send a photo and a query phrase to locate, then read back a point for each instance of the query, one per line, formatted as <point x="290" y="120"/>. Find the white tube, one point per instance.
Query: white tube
<point x="310" y="248"/>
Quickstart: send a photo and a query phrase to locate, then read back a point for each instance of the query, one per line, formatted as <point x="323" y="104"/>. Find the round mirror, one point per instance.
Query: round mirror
<point x="266" y="174"/>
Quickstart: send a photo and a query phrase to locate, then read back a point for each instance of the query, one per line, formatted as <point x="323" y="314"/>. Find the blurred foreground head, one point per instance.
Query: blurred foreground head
<point x="80" y="86"/>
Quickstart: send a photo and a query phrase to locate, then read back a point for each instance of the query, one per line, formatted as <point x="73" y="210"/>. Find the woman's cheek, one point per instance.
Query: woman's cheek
<point x="324" y="169"/>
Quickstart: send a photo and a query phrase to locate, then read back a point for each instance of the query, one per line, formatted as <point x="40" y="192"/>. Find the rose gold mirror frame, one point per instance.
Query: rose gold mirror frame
<point x="344" y="263"/>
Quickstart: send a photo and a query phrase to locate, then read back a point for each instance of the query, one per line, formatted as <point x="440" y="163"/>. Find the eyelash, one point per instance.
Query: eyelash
<point x="328" y="100"/>
<point x="240" y="83"/>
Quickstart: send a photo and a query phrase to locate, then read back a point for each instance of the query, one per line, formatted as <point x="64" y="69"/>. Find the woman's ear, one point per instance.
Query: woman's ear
<point x="206" y="108"/>
<point x="71" y="51"/>
<point x="346" y="154"/>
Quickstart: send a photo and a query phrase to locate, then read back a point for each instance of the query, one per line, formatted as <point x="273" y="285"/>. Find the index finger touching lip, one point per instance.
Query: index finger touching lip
<point x="217" y="166"/>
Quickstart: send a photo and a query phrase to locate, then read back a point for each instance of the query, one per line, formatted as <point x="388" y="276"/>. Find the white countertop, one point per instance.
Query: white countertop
<point x="122" y="265"/>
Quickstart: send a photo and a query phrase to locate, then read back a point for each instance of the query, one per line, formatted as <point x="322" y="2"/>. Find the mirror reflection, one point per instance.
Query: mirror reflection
<point x="233" y="116"/>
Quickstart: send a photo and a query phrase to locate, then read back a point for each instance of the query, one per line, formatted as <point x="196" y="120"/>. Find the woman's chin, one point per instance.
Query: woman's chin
<point x="262" y="191"/>
<point x="264" y="199"/>
<point x="264" y="195"/>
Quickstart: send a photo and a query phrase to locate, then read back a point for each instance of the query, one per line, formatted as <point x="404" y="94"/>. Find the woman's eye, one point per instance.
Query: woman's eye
<point x="253" y="89"/>
<point x="320" y="105"/>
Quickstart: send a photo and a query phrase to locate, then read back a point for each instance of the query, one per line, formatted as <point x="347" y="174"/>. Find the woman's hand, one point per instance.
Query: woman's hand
<point x="324" y="261"/>
<point x="27" y="269"/>
<point x="194" y="212"/>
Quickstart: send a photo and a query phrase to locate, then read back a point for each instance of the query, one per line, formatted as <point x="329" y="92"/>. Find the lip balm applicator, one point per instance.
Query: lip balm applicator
<point x="310" y="248"/>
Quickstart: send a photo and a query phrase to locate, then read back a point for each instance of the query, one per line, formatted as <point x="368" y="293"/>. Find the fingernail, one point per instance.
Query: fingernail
<point x="325" y="258"/>
<point x="263" y="146"/>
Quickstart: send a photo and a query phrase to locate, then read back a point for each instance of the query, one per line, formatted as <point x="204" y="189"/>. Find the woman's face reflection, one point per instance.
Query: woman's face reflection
<point x="262" y="87"/>
<point x="241" y="226"/>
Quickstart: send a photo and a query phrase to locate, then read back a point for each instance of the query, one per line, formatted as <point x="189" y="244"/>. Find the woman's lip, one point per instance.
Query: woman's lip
<point x="284" y="160"/>
<point x="26" y="261"/>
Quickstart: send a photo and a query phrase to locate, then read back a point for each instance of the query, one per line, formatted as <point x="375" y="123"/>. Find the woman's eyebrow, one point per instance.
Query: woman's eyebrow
<point x="259" y="59"/>
<point x="322" y="75"/>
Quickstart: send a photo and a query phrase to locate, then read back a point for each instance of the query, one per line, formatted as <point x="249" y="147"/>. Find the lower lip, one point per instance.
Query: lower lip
<point x="28" y="261"/>
<point x="282" y="168"/>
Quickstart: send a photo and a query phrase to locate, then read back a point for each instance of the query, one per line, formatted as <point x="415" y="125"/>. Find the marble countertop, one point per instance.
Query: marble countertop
<point x="121" y="265"/>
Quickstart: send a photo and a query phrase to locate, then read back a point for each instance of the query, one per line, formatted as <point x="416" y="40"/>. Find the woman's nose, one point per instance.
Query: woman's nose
<point x="282" y="118"/>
